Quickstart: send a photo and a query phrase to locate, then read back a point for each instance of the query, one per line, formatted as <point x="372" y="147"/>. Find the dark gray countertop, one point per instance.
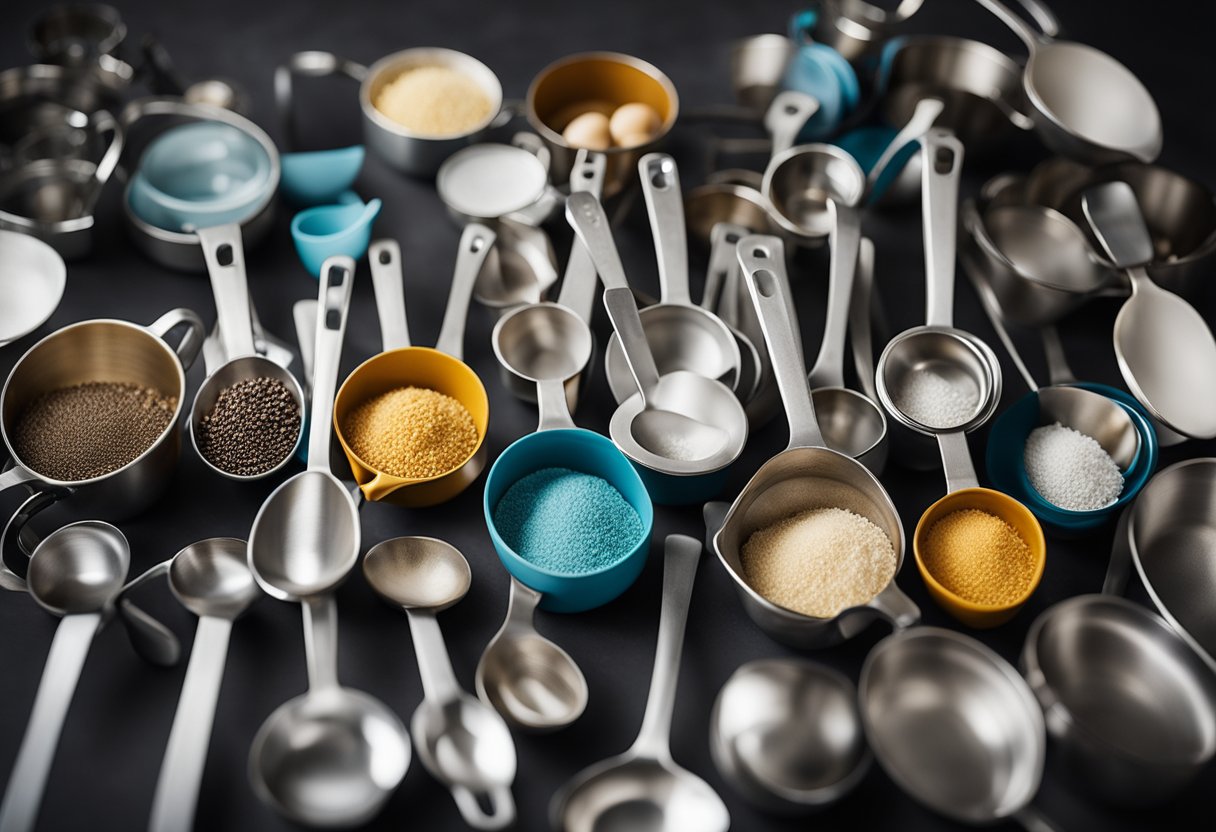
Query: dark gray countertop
<point x="109" y="755"/>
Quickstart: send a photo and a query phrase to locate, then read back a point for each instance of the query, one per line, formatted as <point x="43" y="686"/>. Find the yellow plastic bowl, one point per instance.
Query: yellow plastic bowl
<point x="414" y="367"/>
<point x="999" y="505"/>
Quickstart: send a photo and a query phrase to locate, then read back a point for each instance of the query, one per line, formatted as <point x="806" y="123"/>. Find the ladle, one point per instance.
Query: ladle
<point x="681" y="336"/>
<point x="1165" y="349"/>
<point x="806" y="475"/>
<point x="955" y="726"/>
<point x="643" y="789"/>
<point x="75" y="574"/>
<point x="225" y="258"/>
<point x="787" y="734"/>
<point x="532" y="682"/>
<point x="332" y="756"/>
<point x="211" y="579"/>
<point x="462" y="741"/>
<point x="680" y="424"/>
<point x="1084" y="103"/>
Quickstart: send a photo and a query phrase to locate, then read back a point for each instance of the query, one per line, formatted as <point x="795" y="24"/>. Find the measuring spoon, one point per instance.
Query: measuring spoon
<point x="1165" y="349"/>
<point x="75" y="573"/>
<point x="463" y="742"/>
<point x="721" y="298"/>
<point x="211" y="579"/>
<point x="332" y="756"/>
<point x="644" y="788"/>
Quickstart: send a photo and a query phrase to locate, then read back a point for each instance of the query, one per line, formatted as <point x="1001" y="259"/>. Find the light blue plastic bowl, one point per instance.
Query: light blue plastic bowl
<point x="590" y="453"/>
<point x="319" y="177"/>
<point x="324" y="231"/>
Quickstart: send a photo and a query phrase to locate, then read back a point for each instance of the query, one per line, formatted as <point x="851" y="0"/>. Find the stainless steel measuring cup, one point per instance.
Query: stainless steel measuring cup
<point x="681" y="336"/>
<point x="803" y="182"/>
<point x="806" y="475"/>
<point x="75" y="574"/>
<point x="462" y="741"/>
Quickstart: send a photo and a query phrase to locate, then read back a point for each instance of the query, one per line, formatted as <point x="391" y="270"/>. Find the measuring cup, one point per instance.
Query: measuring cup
<point x="644" y="785"/>
<point x="325" y="230"/>
<point x="681" y="336"/>
<point x="332" y="756"/>
<point x="954" y="726"/>
<point x="803" y="182"/>
<point x="545" y="345"/>
<point x="463" y="742"/>
<point x="226" y="267"/>
<point x="1084" y="103"/>
<point x="209" y="578"/>
<point x="440" y="369"/>
<point x="75" y="574"/>
<point x="1165" y="349"/>
<point x="806" y="475"/>
<point x="787" y="734"/>
<point x="680" y="430"/>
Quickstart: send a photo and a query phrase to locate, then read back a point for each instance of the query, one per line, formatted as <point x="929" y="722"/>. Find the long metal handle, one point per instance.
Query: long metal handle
<point x="922" y="120"/>
<point x="681" y="557"/>
<point x="845" y="241"/>
<point x="1120" y="567"/>
<point x="956" y="461"/>
<point x="181" y="772"/>
<point x="320" y="614"/>
<point x="475" y="244"/>
<point x="586" y="216"/>
<point x="788" y="113"/>
<point x="763" y="261"/>
<point x="439" y="685"/>
<point x="225" y="256"/>
<point x="305" y="314"/>
<point x="862" y="338"/>
<point x="385" y="259"/>
<point x="333" y="302"/>
<point x="70" y="648"/>
<point x="1116" y="220"/>
<point x="1059" y="371"/>
<point x="551" y="403"/>
<point x="939" y="199"/>
<point x="992" y="308"/>
<point x="627" y="323"/>
<point x="580" y="281"/>
<point x="720" y="290"/>
<point x="665" y="207"/>
<point x="521" y="605"/>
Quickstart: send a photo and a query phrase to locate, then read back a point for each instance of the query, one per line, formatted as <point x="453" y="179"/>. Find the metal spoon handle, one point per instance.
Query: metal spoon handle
<point x="225" y="256"/>
<point x="1058" y="369"/>
<point x="922" y="120"/>
<point x="682" y="555"/>
<point x="551" y="402"/>
<point x="845" y="241"/>
<point x="333" y="302"/>
<point x="475" y="244"/>
<point x="992" y="309"/>
<point x="305" y="314"/>
<point x="956" y="461"/>
<point x="763" y="261"/>
<point x="723" y="264"/>
<point x="385" y="259"/>
<point x="859" y="319"/>
<point x="1114" y="216"/>
<point x="70" y="648"/>
<point x="521" y="604"/>
<point x="627" y="323"/>
<point x="320" y="613"/>
<point x="786" y="116"/>
<point x="1120" y="567"/>
<point x="579" y="283"/>
<point x="665" y="207"/>
<point x="181" y="772"/>
<point x="439" y="683"/>
<point x="939" y="199"/>
<point x="586" y="216"/>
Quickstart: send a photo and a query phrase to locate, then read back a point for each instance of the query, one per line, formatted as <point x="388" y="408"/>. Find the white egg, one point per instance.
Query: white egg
<point x="590" y="130"/>
<point x="631" y="121"/>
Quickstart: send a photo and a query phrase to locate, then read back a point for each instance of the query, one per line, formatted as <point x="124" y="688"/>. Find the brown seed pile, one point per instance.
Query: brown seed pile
<point x="88" y="430"/>
<point x="251" y="428"/>
<point x="411" y="432"/>
<point x="979" y="557"/>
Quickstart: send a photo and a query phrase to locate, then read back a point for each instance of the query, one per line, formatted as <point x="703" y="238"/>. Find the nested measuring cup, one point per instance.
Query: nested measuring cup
<point x="547" y="344"/>
<point x="806" y="475"/>
<point x="401" y="365"/>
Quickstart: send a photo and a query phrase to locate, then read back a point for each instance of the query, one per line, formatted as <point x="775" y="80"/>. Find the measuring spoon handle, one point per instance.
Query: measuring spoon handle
<point x="665" y="207"/>
<point x="580" y="281"/>
<point x="475" y="243"/>
<point x="586" y="216"/>
<point x="627" y="323"/>
<point x="333" y="302"/>
<point x="225" y="256"/>
<point x="941" y="169"/>
<point x="845" y="242"/>
<point x="320" y="614"/>
<point x="439" y="683"/>
<point x="181" y="772"/>
<point x="922" y="120"/>
<point x="384" y="256"/>
<point x="70" y="648"/>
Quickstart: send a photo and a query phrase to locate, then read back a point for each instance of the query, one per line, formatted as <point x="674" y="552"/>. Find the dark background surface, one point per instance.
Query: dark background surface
<point x="108" y="758"/>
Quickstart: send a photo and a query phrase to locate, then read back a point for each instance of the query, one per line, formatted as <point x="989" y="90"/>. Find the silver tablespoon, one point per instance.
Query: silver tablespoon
<point x="643" y="789"/>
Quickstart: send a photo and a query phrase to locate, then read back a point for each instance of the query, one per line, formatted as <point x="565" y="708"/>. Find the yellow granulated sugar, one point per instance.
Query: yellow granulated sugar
<point x="819" y="562"/>
<point x="434" y="101"/>
<point x="979" y="557"/>
<point x="411" y="432"/>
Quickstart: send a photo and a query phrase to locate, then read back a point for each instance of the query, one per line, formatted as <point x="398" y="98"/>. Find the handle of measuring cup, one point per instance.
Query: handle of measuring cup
<point x="105" y="123"/>
<point x="942" y="166"/>
<point x="18" y="539"/>
<point x="312" y="64"/>
<point x="188" y="348"/>
<point x="475" y="245"/>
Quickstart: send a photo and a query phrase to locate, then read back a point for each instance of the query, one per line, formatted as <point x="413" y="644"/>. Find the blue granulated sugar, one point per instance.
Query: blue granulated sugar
<point x="566" y="521"/>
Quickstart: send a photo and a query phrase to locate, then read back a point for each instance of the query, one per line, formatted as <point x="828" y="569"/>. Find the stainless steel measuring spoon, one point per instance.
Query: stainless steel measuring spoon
<point x="75" y="573"/>
<point x="1166" y="351"/>
<point x="644" y="786"/>
<point x="211" y="579"/>
<point x="462" y="741"/>
<point x="681" y="336"/>
<point x="721" y="297"/>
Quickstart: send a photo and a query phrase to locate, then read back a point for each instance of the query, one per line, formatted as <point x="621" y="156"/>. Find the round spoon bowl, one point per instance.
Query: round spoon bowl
<point x="330" y="758"/>
<point x="787" y="734"/>
<point x="799" y="184"/>
<point x="305" y="538"/>
<point x="853" y="425"/>
<point x="467" y="741"/>
<point x="531" y="681"/>
<point x="637" y="794"/>
<point x="538" y="342"/>
<point x="418" y="572"/>
<point x="79" y="568"/>
<point x="211" y="578"/>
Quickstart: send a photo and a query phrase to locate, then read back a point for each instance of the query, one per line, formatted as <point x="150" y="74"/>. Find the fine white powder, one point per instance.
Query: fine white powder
<point x="1070" y="469"/>
<point x="935" y="401"/>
